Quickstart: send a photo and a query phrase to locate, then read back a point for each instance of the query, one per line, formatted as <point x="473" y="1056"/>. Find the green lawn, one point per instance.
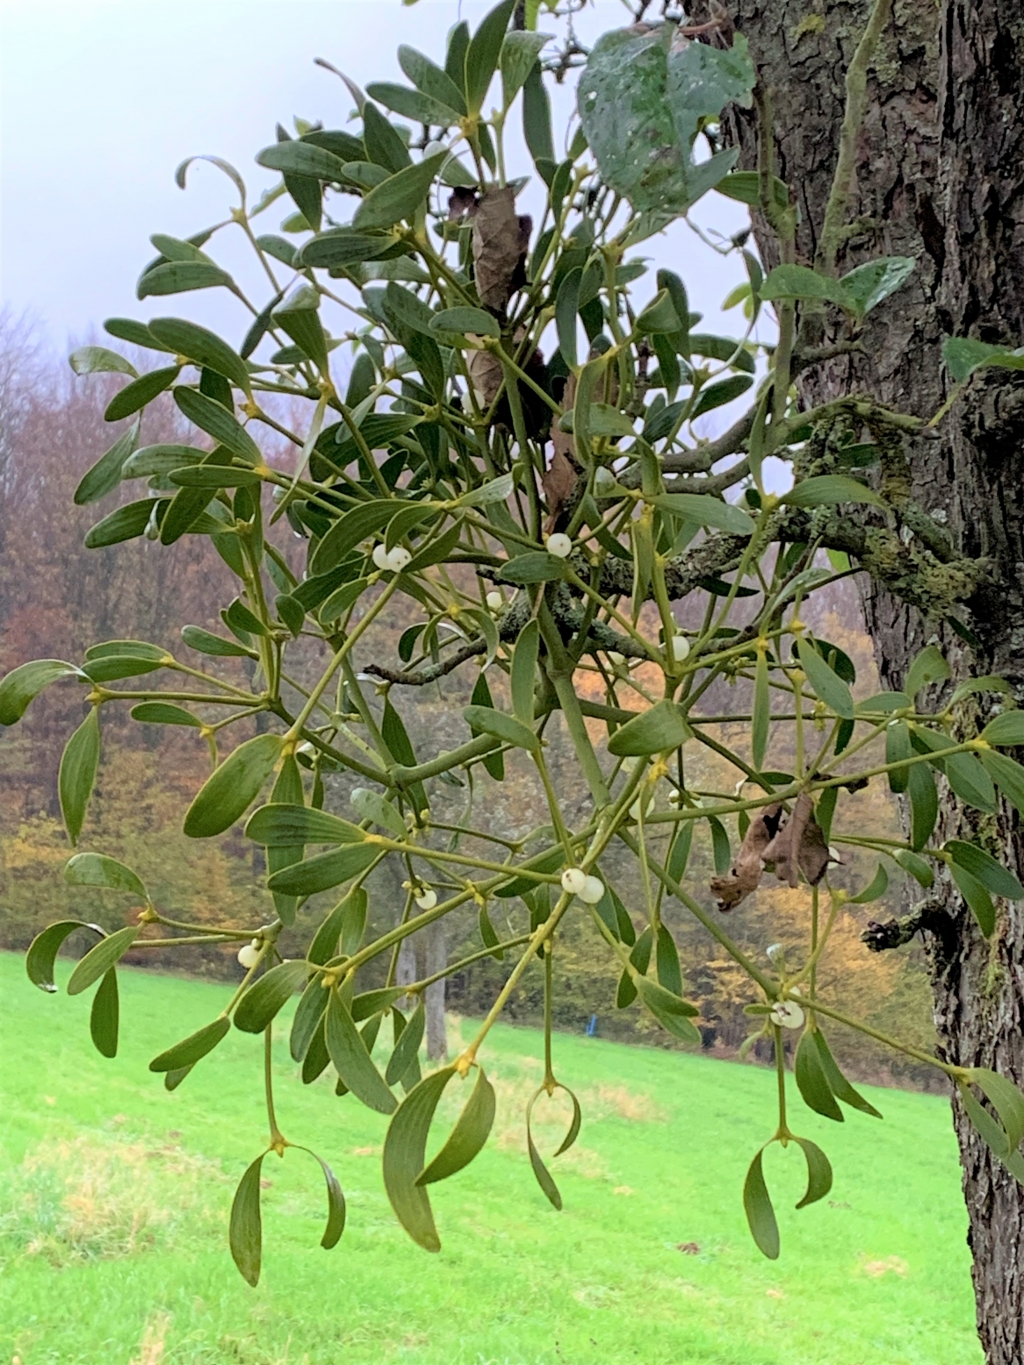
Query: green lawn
<point x="114" y="1198"/>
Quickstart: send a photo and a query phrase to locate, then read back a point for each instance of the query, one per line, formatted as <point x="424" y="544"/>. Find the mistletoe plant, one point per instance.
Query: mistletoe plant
<point x="552" y="501"/>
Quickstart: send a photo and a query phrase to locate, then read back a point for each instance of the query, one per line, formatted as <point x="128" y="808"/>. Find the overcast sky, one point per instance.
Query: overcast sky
<point x="101" y="99"/>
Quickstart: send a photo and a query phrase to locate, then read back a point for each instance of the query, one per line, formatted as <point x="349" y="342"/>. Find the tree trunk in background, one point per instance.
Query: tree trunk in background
<point x="429" y="944"/>
<point x="433" y="996"/>
<point x="939" y="176"/>
<point x="405" y="969"/>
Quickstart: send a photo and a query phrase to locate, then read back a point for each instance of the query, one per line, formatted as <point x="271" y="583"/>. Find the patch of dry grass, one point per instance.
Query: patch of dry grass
<point x="887" y="1265"/>
<point x="154" y="1341"/>
<point x="101" y="1196"/>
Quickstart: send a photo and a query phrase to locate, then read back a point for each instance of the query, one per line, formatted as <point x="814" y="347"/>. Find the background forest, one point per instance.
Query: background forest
<point x="56" y="597"/>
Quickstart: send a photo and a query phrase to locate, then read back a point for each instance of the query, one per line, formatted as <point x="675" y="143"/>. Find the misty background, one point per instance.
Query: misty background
<point x="101" y="101"/>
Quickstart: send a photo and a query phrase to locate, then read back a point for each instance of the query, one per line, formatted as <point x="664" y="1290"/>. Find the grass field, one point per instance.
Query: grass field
<point x="114" y="1198"/>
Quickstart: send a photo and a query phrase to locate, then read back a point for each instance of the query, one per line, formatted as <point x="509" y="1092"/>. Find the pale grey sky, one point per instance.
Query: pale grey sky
<point x="101" y="99"/>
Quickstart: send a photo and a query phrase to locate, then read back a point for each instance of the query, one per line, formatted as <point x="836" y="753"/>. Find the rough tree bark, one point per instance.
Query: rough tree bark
<point x="939" y="176"/>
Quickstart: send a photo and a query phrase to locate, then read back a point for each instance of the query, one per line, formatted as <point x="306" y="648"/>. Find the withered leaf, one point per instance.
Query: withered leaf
<point x="485" y="374"/>
<point x="559" y="479"/>
<point x="799" y="843"/>
<point x="559" y="483"/>
<point x="745" y="873"/>
<point x="501" y="239"/>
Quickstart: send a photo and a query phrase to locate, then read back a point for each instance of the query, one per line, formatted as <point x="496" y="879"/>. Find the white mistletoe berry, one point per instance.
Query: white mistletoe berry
<point x="426" y="898"/>
<point x="787" y="1013"/>
<point x="592" y="890"/>
<point x="495" y="601"/>
<point x="380" y="555"/>
<point x="249" y="954"/>
<point x="398" y="558"/>
<point x="679" y="648"/>
<point x="559" y="545"/>
<point x="574" y="879"/>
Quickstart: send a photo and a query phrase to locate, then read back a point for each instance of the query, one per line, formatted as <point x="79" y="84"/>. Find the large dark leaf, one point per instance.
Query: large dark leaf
<point x="347" y="921"/>
<point x="812" y="1080"/>
<point x="24" y="683"/>
<point x="268" y="995"/>
<point x="1006" y="729"/>
<point x="404" y="1150"/>
<point x="203" y="347"/>
<point x="215" y="419"/>
<point x="190" y="1050"/>
<point x="467" y="1137"/>
<point x="105" y="1015"/>
<point x="300" y="158"/>
<point x="404" y="1057"/>
<point x="96" y="869"/>
<point x="178" y="277"/>
<point x="661" y="728"/>
<point x="324" y="871"/>
<point x="819" y="1172"/>
<point x="413" y="104"/>
<point x="399" y="196"/>
<point x="431" y="79"/>
<point x="641" y="105"/>
<point x="126" y="523"/>
<point x="353" y="527"/>
<point x="43" y="950"/>
<point x="232" y="786"/>
<point x="924" y="804"/>
<point x="100" y="958"/>
<point x="245" y="1230"/>
<point x="985" y="869"/>
<point x="489" y="721"/>
<point x="77" y="773"/>
<point x="483" y="53"/>
<point x="837" y="1082"/>
<point x="352" y="1060"/>
<point x="758" y="1206"/>
<point x="140" y="392"/>
<point x="105" y="474"/>
<point x="826" y="682"/>
<point x="335" y="1206"/>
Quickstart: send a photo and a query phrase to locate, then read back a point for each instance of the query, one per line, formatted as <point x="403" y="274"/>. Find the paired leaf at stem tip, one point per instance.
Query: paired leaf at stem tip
<point x="764" y="1227"/>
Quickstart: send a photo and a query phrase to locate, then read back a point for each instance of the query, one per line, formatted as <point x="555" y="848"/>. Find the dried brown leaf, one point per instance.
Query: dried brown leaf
<point x="501" y="239"/>
<point x="485" y="374"/>
<point x="559" y="484"/>
<point x="814" y="854"/>
<point x="559" y="480"/>
<point x="745" y="873"/>
<point x="799" y="843"/>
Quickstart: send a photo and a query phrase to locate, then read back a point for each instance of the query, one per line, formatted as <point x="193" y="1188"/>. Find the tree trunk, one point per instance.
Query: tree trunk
<point x="939" y="176"/>
<point x="405" y="969"/>
<point x="433" y="996"/>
